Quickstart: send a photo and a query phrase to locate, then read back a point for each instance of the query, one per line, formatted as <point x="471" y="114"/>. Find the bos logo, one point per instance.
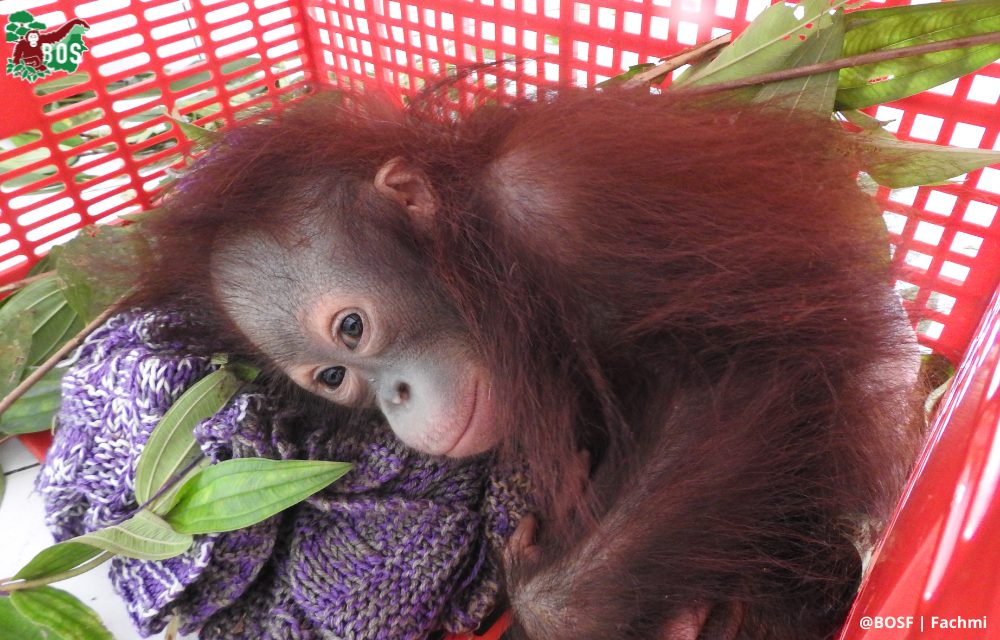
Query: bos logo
<point x="37" y="52"/>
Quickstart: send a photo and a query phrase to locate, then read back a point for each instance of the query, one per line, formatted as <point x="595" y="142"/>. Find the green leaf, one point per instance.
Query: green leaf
<point x="766" y="45"/>
<point x="814" y="93"/>
<point x="171" y="446"/>
<point x="55" y="321"/>
<point x="26" y="158"/>
<point x="145" y="536"/>
<point x="186" y="82"/>
<point x="15" y="345"/>
<point x="62" y="82"/>
<point x="140" y="216"/>
<point x="864" y="121"/>
<point x="14" y="626"/>
<point x="59" y="558"/>
<point x="98" y="267"/>
<point x="61" y="612"/>
<point x="243" y="371"/>
<point x="34" y="410"/>
<point x="896" y="27"/>
<point x="897" y="163"/>
<point x="238" y="493"/>
<point x="200" y="136"/>
<point x="633" y="71"/>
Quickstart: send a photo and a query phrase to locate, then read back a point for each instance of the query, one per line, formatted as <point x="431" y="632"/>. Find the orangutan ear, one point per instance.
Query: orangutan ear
<point x="409" y="187"/>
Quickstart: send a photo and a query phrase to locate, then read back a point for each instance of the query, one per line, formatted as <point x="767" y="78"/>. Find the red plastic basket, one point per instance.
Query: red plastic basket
<point x="226" y="57"/>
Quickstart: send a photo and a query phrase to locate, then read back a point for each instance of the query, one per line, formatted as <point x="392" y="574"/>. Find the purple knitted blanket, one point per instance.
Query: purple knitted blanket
<point x="402" y="546"/>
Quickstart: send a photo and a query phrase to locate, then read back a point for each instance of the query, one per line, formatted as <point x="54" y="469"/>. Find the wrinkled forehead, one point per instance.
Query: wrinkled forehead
<point x="265" y="282"/>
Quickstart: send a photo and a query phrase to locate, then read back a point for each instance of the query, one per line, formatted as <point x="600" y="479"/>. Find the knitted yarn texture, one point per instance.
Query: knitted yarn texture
<point x="402" y="546"/>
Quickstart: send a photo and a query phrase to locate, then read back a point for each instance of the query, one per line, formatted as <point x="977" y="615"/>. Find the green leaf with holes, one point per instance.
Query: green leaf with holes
<point x="766" y="45"/>
<point x="60" y="612"/>
<point x="814" y="93"/>
<point x="238" y="493"/>
<point x="896" y="27"/>
<point x="99" y="266"/>
<point x="55" y="321"/>
<point x="171" y="447"/>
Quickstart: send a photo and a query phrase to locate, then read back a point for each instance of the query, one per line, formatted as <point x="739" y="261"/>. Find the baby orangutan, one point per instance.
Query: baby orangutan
<point x="691" y="298"/>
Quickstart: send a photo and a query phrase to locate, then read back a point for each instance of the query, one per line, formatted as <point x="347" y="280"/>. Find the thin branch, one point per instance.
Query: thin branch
<point x="673" y="62"/>
<point x="47" y="366"/>
<point x="14" y="286"/>
<point x="842" y="63"/>
<point x="96" y="561"/>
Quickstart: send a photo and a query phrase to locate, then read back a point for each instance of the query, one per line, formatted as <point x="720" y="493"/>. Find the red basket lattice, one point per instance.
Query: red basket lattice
<point x="222" y="58"/>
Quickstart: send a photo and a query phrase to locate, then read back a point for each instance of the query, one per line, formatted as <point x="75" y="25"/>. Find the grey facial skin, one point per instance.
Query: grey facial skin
<point x="357" y="336"/>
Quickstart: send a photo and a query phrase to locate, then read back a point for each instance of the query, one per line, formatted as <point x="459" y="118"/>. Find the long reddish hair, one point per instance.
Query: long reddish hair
<point x="695" y="293"/>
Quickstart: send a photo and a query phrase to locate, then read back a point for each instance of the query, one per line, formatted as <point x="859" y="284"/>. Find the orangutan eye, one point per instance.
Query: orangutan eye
<point x="351" y="330"/>
<point x="332" y="377"/>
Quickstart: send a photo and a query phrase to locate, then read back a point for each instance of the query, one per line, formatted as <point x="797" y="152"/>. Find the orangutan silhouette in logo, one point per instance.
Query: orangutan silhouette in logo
<point x="29" y="48"/>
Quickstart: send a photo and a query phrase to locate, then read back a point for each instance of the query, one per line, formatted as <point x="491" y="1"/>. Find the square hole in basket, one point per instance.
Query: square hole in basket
<point x="659" y="27"/>
<point x="755" y="8"/>
<point x="930" y="328"/>
<point x="894" y="222"/>
<point x="966" y="244"/>
<point x="940" y="302"/>
<point x="985" y="89"/>
<point x="940" y="202"/>
<point x="926" y="127"/>
<point x="919" y="260"/>
<point x="980" y="213"/>
<point x="581" y="13"/>
<point x="889" y="115"/>
<point x="928" y="233"/>
<point x="725" y="8"/>
<point x="954" y="271"/>
<point x="605" y="18"/>
<point x="687" y="32"/>
<point x="967" y="135"/>
<point x="907" y="290"/>
<point x="946" y="89"/>
<point x="632" y="22"/>
<point x="605" y="56"/>
<point x="904" y="196"/>
<point x="990" y="180"/>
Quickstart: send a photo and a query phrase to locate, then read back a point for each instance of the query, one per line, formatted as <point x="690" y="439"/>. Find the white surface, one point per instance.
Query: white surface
<point x="23" y="534"/>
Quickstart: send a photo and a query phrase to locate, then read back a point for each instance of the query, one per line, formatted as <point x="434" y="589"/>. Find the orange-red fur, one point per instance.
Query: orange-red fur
<point x="696" y="294"/>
